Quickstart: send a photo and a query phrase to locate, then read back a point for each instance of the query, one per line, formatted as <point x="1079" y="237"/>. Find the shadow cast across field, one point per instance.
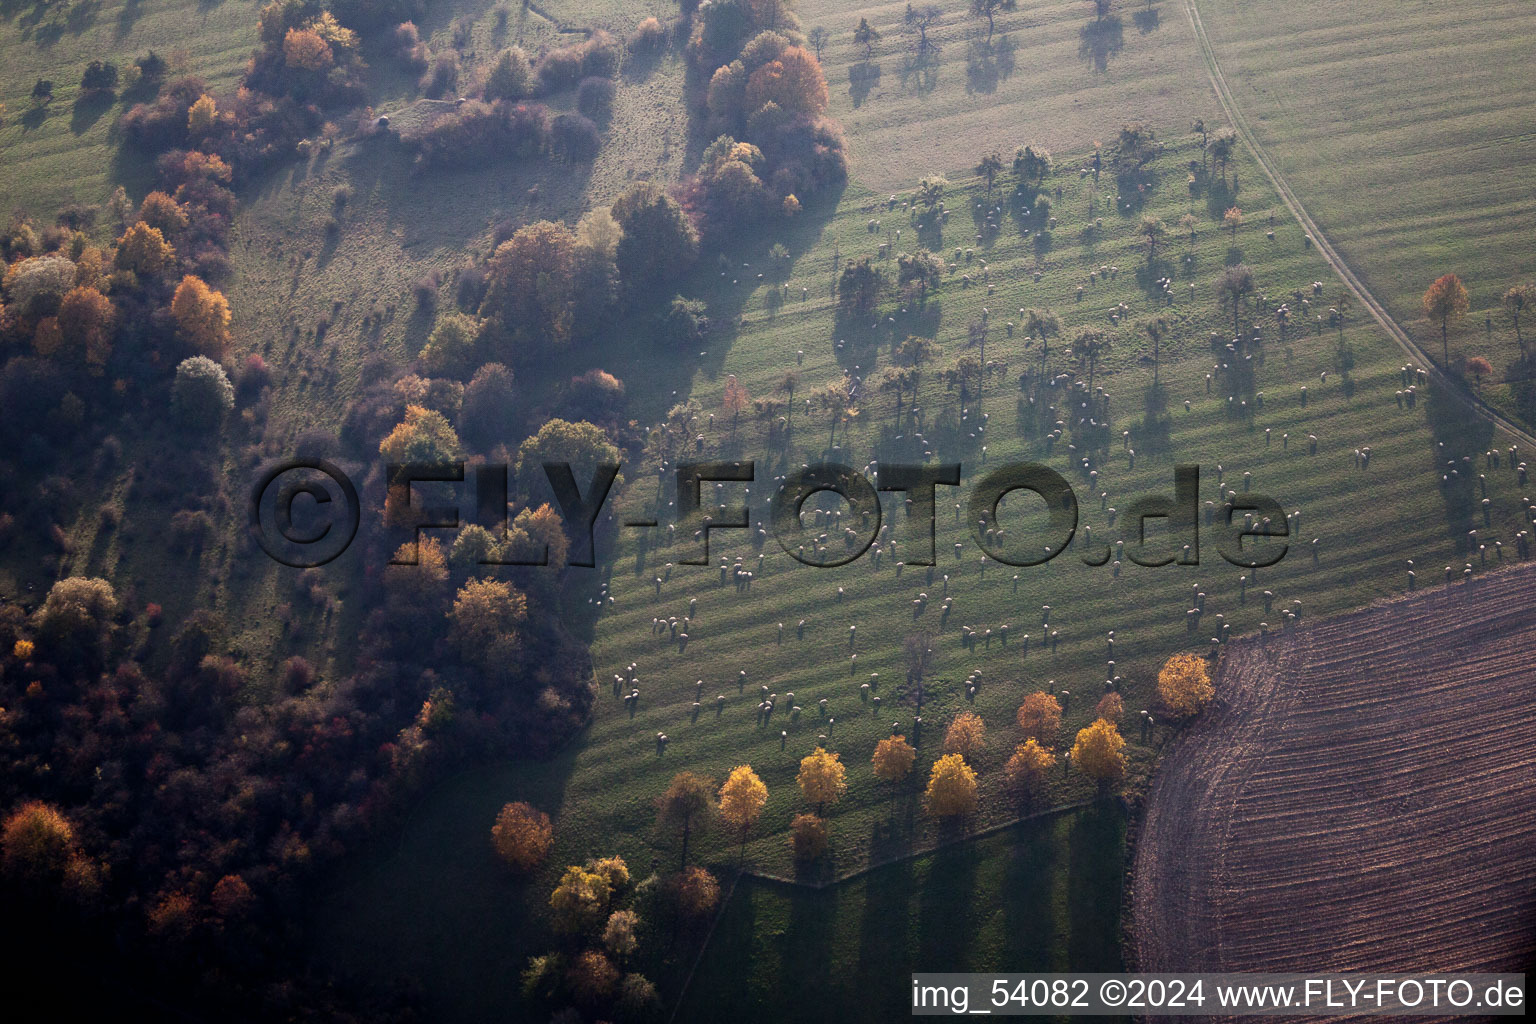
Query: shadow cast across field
<point x="1100" y="40"/>
<point x="1039" y="895"/>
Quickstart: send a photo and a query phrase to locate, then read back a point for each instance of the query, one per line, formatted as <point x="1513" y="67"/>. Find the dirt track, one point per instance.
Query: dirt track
<point x="1363" y="797"/>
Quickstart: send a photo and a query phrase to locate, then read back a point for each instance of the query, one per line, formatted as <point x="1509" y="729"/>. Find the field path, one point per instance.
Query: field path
<point x="1356" y="286"/>
<point x="1362" y="797"/>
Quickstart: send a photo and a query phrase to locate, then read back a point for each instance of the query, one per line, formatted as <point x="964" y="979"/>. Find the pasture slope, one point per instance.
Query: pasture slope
<point x="1360" y="798"/>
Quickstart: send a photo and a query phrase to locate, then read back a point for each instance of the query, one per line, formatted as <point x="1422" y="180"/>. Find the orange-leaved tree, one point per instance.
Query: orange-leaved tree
<point x="686" y="805"/>
<point x="202" y="316"/>
<point x="522" y="836"/>
<point x="1444" y="301"/>
<point x="1040" y="717"/>
<point x="966" y="735"/>
<point x="1026" y="769"/>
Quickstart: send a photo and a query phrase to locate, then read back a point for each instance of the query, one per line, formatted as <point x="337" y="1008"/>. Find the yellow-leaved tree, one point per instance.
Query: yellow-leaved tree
<point x="742" y="797"/>
<point x="1184" y="684"/>
<point x="1099" y="752"/>
<point x="951" y="787"/>
<point x="822" y="778"/>
<point x="893" y="759"/>
<point x="580" y="901"/>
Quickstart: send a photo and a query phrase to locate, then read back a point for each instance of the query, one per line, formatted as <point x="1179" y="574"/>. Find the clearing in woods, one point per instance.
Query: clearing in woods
<point x="1362" y="797"/>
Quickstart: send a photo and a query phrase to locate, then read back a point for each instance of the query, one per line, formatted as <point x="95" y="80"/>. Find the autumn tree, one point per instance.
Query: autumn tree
<point x="951" y="787"/>
<point x="86" y="319"/>
<point x="485" y="622"/>
<point x="144" y="250"/>
<point x="530" y="282"/>
<point x="202" y="317"/>
<point x="1026" y="769"/>
<point x="163" y="213"/>
<point x="1444" y="301"/>
<point x="808" y="837"/>
<point x="1232" y="220"/>
<point x="1040" y="717"/>
<point x="1089" y="346"/>
<point x="1184" y="684"/>
<point x="794" y="81"/>
<point x="202" y="115"/>
<point x="450" y="348"/>
<point x="592" y="978"/>
<point x="306" y="51"/>
<point x="581" y="444"/>
<point x="522" y="836"/>
<point x="1111" y="707"/>
<point x="734" y="399"/>
<point x="1516" y="301"/>
<point x="619" y="933"/>
<point x="579" y="901"/>
<point x="893" y="759"/>
<point x="424" y="437"/>
<point x="36" y="843"/>
<point x="966" y="735"/>
<point x="742" y="797"/>
<point x="695" y="893"/>
<point x="822" y="779"/>
<point x="1099" y="752"/>
<point x="685" y="806"/>
<point x="989" y="9"/>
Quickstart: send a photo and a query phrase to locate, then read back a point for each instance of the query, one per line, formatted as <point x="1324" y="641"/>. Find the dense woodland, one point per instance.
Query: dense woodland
<point x="152" y="802"/>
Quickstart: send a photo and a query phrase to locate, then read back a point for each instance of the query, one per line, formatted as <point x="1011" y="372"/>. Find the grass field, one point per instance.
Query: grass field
<point x="1410" y="139"/>
<point x="1367" y="523"/>
<point x="1055" y="76"/>
<point x="1042" y="896"/>
<point x="65" y="152"/>
<point x="435" y="908"/>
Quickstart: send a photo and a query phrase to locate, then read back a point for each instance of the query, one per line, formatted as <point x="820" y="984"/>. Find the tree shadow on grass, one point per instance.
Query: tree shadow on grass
<point x="862" y="77"/>
<point x="920" y="73"/>
<point x="1461" y="435"/>
<point x="1147" y="20"/>
<point x="1100" y="40"/>
<point x="1095" y="865"/>
<point x="946" y="909"/>
<point x="988" y="64"/>
<point x="1029" y="912"/>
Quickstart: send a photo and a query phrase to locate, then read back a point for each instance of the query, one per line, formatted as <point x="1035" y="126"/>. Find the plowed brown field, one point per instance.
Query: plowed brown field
<point x="1362" y="797"/>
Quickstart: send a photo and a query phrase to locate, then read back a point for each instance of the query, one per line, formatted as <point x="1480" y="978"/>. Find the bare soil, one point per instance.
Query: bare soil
<point x="1362" y="797"/>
